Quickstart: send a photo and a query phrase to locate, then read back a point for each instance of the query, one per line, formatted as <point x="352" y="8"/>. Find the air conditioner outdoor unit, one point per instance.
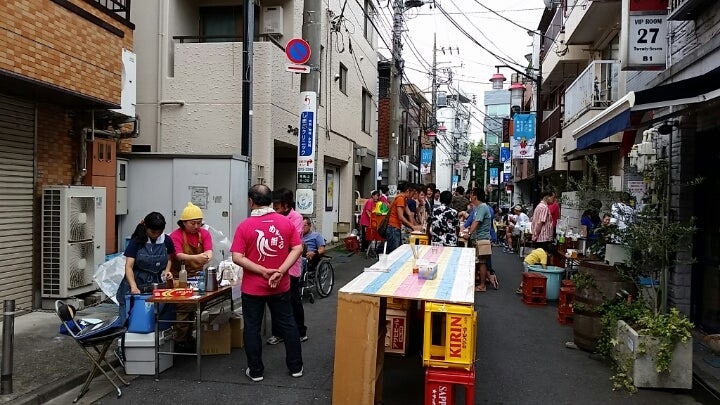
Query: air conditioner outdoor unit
<point x="272" y="20"/>
<point x="73" y="239"/>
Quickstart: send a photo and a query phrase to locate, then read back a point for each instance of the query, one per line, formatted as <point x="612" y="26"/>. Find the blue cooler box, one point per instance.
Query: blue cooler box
<point x="141" y="314"/>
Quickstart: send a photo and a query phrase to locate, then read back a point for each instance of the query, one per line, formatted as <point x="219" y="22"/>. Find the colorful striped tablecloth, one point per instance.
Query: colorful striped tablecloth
<point x="455" y="281"/>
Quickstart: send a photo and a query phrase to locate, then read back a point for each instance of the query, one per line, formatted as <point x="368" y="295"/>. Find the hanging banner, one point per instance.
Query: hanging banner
<point x="425" y="160"/>
<point x="522" y="141"/>
<point x="493" y="176"/>
<point x="306" y="138"/>
<point x="505" y="154"/>
<point x="643" y="34"/>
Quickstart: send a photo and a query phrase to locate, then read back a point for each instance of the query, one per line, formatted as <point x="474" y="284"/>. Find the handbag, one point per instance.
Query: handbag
<point x="382" y="228"/>
<point x="483" y="247"/>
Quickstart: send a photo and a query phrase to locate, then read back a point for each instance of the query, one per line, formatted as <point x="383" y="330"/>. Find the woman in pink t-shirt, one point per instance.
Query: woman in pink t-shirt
<point x="366" y="216"/>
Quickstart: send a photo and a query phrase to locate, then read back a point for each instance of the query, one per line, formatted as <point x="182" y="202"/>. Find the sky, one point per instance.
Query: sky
<point x="472" y="66"/>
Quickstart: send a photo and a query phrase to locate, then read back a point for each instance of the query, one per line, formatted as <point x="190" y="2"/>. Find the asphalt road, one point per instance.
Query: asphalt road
<point x="521" y="359"/>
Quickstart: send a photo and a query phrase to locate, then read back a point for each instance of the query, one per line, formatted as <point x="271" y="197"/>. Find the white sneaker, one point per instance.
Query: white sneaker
<point x="304" y="338"/>
<point x="257" y="379"/>
<point x="273" y="340"/>
<point x="296" y="375"/>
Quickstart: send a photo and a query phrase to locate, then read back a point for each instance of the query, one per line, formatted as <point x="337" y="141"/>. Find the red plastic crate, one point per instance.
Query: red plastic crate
<point x="351" y="244"/>
<point x="440" y="382"/>
<point x="565" y="305"/>
<point x="533" y="290"/>
<point x="567" y="283"/>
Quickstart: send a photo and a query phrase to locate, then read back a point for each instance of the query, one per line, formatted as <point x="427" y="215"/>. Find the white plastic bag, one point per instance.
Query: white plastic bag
<point x="221" y="246"/>
<point x="109" y="275"/>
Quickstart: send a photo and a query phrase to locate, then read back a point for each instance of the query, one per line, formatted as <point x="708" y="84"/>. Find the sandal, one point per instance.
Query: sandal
<point x="493" y="281"/>
<point x="480" y="289"/>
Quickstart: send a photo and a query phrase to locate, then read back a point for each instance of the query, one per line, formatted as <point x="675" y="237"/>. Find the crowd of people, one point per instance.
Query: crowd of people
<point x="274" y="242"/>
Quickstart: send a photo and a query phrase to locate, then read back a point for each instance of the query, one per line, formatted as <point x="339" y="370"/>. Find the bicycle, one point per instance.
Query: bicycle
<point x="320" y="278"/>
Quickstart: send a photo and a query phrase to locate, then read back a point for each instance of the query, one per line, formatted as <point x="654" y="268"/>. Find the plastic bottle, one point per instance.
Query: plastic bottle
<point x="183" y="275"/>
<point x="201" y="281"/>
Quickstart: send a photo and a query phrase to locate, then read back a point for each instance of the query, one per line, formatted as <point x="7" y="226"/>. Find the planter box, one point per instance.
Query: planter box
<point x="642" y="365"/>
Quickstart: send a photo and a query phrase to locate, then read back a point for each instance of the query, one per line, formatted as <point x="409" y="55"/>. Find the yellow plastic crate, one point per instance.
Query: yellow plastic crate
<point x="450" y="334"/>
<point x="421" y="239"/>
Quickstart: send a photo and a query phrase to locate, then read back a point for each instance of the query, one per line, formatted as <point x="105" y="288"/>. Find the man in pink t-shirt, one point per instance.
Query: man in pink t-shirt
<point x="266" y="245"/>
<point x="283" y="204"/>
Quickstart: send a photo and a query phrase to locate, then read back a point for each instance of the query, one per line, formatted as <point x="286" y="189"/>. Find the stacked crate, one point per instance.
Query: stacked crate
<point x="449" y="351"/>
<point x="396" y="319"/>
<point x="565" y="303"/>
<point x="534" y="288"/>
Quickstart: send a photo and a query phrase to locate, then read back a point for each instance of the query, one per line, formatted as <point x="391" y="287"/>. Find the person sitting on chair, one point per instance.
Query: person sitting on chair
<point x="313" y="242"/>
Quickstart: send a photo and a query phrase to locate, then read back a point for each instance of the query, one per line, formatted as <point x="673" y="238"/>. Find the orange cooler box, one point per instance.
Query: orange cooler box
<point x="450" y="333"/>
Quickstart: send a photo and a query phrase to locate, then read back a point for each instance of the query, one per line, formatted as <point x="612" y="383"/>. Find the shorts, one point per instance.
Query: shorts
<point x="481" y="259"/>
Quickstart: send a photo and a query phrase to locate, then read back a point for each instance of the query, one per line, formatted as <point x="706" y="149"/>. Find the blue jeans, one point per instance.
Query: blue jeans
<point x="282" y="320"/>
<point x="393" y="240"/>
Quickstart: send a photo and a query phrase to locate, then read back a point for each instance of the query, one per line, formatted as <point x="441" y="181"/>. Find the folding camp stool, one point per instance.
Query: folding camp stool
<point x="99" y="339"/>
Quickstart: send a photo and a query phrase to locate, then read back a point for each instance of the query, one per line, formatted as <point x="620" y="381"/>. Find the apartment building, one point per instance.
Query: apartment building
<point x="669" y="87"/>
<point x="190" y="81"/>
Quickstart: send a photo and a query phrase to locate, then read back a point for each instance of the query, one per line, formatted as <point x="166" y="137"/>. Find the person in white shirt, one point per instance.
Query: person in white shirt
<point x="518" y="222"/>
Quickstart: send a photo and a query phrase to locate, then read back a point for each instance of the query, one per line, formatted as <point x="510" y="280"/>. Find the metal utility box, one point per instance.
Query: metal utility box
<point x="166" y="183"/>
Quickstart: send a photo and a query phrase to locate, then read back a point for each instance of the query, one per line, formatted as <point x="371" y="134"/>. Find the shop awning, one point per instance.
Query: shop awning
<point x="616" y="118"/>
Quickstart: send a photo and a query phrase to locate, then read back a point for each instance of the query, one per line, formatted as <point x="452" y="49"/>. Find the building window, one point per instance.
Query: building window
<point x="342" y="79"/>
<point x="366" y="110"/>
<point x="369" y="16"/>
<point x="221" y="24"/>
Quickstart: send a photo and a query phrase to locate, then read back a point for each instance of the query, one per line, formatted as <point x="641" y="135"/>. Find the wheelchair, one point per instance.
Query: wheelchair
<point x="318" y="278"/>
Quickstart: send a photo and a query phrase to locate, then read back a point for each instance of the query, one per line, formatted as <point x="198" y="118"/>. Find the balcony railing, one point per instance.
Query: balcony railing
<point x="120" y="8"/>
<point x="686" y="9"/>
<point x="548" y="38"/>
<point x="551" y="125"/>
<point x="596" y="87"/>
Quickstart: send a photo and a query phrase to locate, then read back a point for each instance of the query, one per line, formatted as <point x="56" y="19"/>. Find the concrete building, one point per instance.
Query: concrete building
<point x="62" y="65"/>
<point x="614" y="99"/>
<point x="452" y="145"/>
<point x="189" y="95"/>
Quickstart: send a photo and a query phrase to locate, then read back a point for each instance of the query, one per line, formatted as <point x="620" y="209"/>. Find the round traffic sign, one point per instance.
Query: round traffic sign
<point x="298" y="51"/>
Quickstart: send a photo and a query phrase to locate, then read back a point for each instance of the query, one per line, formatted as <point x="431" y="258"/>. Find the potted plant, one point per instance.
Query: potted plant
<point x="650" y="343"/>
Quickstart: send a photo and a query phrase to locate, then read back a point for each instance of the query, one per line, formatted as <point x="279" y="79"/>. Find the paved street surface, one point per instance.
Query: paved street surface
<point x="521" y="359"/>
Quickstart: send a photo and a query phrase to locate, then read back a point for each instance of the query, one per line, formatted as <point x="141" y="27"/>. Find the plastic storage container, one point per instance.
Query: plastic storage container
<point x="140" y="353"/>
<point x="554" y="275"/>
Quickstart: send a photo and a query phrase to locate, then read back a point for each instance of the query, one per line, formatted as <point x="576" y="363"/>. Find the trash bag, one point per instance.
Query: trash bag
<point x="109" y="275"/>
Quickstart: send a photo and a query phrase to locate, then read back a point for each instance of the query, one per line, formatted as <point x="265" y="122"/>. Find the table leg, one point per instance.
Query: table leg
<point x="198" y="340"/>
<point x="157" y="341"/>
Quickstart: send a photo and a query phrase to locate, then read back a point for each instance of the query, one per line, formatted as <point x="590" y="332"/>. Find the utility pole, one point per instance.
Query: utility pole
<point x="247" y="86"/>
<point x="433" y="114"/>
<point x="311" y="81"/>
<point x="395" y="79"/>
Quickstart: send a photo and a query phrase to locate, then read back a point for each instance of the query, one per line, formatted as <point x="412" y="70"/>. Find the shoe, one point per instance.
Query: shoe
<point x="185" y="347"/>
<point x="273" y="340"/>
<point x="303" y="338"/>
<point x="493" y="281"/>
<point x="255" y="379"/>
<point x="297" y="374"/>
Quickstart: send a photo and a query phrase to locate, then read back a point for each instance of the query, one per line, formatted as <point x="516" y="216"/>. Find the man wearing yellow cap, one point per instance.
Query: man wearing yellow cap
<point x="193" y="245"/>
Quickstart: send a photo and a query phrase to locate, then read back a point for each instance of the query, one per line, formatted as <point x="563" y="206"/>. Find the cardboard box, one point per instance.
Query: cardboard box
<point x="396" y="336"/>
<point x="236" y="331"/>
<point x="173" y="292"/>
<point x="140" y="352"/>
<point x="216" y="335"/>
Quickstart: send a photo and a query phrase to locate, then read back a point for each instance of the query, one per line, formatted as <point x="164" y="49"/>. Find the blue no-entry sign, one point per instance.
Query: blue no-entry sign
<point x="297" y="51"/>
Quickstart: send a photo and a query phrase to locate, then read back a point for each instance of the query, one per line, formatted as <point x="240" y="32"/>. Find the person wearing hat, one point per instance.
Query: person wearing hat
<point x="518" y="221"/>
<point x="193" y="246"/>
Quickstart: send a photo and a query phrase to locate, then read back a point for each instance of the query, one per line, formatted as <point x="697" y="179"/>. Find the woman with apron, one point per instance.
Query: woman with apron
<point x="147" y="258"/>
<point x="193" y="245"/>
